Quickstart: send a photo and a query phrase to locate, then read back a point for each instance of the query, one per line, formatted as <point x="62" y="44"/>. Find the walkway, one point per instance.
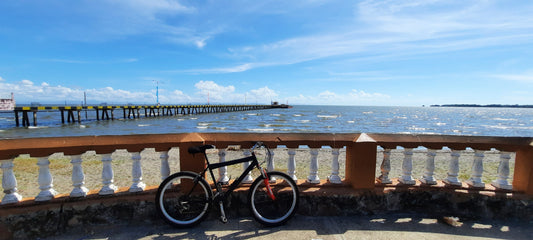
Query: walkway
<point x="398" y="226"/>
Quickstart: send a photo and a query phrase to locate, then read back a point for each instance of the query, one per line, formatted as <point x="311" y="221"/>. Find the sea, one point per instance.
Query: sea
<point x="468" y="121"/>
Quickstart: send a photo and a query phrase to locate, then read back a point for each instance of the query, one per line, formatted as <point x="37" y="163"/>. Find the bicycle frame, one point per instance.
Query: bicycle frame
<point x="254" y="164"/>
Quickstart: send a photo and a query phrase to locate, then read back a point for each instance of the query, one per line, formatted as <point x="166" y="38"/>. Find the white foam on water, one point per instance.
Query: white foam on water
<point x="504" y="119"/>
<point x="37" y="127"/>
<point x="260" y="129"/>
<point x="350" y="121"/>
<point x="144" y="125"/>
<point x="303" y="121"/>
<point x="204" y="124"/>
<point x="327" y="116"/>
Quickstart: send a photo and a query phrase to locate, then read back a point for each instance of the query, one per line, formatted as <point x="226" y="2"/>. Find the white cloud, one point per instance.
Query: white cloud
<point x="263" y="95"/>
<point x="26" y="82"/>
<point x="524" y="78"/>
<point x="394" y="28"/>
<point x="235" y="69"/>
<point x="354" y="97"/>
<point x="213" y="91"/>
<point x="26" y="91"/>
<point x="2" y="79"/>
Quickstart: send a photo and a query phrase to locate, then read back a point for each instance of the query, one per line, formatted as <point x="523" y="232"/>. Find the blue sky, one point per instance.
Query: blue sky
<point x="399" y="53"/>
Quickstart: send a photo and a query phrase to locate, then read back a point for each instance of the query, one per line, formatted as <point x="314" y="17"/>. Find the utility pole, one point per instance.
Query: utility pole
<point x="85" y="103"/>
<point x="157" y="91"/>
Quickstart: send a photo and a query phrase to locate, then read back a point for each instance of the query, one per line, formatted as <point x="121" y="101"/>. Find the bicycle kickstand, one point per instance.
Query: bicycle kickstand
<point x="223" y="218"/>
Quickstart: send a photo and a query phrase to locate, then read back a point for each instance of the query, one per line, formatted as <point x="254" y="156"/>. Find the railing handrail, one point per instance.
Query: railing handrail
<point x="361" y="148"/>
<point x="41" y="147"/>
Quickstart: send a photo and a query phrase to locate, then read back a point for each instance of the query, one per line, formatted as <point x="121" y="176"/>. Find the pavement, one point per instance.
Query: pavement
<point x="390" y="226"/>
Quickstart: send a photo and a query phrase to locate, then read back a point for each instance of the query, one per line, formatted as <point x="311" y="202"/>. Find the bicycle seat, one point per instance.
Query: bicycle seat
<point x="199" y="149"/>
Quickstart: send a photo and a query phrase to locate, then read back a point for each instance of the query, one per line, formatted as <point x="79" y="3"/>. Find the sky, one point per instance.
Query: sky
<point x="370" y="53"/>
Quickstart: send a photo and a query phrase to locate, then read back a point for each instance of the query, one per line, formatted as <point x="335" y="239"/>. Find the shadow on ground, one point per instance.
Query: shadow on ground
<point x="390" y="226"/>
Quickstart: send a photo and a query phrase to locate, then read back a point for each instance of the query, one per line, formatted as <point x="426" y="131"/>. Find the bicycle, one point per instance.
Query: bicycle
<point x="183" y="199"/>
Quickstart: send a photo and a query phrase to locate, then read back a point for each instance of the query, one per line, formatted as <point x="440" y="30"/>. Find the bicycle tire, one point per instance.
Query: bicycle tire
<point x="275" y="212"/>
<point x="181" y="202"/>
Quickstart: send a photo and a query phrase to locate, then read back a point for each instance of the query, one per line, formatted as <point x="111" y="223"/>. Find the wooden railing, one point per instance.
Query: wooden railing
<point x="364" y="153"/>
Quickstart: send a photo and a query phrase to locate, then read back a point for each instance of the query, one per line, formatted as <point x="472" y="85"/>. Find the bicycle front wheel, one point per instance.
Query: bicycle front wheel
<point x="183" y="199"/>
<point x="277" y="209"/>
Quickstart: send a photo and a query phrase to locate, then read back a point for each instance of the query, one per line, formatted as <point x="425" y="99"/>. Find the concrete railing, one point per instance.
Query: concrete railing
<point x="361" y="151"/>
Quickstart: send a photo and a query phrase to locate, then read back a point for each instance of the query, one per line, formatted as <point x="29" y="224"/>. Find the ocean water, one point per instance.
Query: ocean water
<point x="299" y="119"/>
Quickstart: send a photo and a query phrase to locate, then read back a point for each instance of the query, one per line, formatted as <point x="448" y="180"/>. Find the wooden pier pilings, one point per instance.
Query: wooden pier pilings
<point x="73" y="113"/>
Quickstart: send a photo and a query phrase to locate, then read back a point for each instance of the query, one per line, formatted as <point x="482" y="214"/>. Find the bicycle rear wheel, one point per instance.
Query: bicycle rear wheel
<point x="273" y="211"/>
<point x="183" y="199"/>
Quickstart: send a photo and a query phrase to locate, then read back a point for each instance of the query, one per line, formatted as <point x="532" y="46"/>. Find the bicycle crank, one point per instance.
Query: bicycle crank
<point x="223" y="218"/>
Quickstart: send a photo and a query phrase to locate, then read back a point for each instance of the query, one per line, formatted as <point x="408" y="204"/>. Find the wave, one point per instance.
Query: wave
<point x="37" y="127"/>
<point x="504" y="119"/>
<point x="327" y="116"/>
<point x="144" y="125"/>
<point x="260" y="129"/>
<point x="303" y="121"/>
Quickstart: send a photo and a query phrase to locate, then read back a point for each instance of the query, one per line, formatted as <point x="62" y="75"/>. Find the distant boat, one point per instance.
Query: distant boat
<point x="277" y="105"/>
<point x="8" y="104"/>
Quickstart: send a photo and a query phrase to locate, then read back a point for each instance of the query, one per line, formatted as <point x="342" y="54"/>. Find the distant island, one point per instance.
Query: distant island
<point x="484" y="106"/>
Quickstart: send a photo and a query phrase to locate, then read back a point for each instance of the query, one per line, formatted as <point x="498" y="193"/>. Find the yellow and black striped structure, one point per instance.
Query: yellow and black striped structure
<point x="130" y="111"/>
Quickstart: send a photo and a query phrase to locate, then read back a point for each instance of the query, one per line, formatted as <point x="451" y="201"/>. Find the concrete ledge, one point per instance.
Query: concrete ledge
<point x="29" y="219"/>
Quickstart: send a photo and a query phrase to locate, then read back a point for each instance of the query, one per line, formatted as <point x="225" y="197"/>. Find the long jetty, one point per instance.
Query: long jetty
<point x="73" y="113"/>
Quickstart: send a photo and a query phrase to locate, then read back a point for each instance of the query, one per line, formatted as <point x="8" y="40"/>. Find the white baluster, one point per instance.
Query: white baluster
<point x="334" y="177"/>
<point x="222" y="171"/>
<point x="9" y="183"/>
<point x="78" y="178"/>
<point x="407" y="167"/>
<point x="45" y="181"/>
<point x="385" y="168"/>
<point x="136" y="173"/>
<point x="291" y="164"/>
<point x="453" y="169"/>
<point x="248" y="178"/>
<point x="503" y="172"/>
<point x="107" y="176"/>
<point x="165" y="167"/>
<point x="270" y="161"/>
<point x="428" y="177"/>
<point x="270" y="164"/>
<point x="477" y="171"/>
<point x="313" y="167"/>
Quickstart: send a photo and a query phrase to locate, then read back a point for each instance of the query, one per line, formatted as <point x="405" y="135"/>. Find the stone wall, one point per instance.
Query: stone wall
<point x="30" y="220"/>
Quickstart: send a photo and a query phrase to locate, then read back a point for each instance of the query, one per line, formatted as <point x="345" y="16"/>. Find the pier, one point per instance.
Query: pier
<point x="73" y="113"/>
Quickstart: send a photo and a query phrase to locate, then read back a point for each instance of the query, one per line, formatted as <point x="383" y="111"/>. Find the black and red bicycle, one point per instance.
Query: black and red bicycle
<point x="184" y="198"/>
